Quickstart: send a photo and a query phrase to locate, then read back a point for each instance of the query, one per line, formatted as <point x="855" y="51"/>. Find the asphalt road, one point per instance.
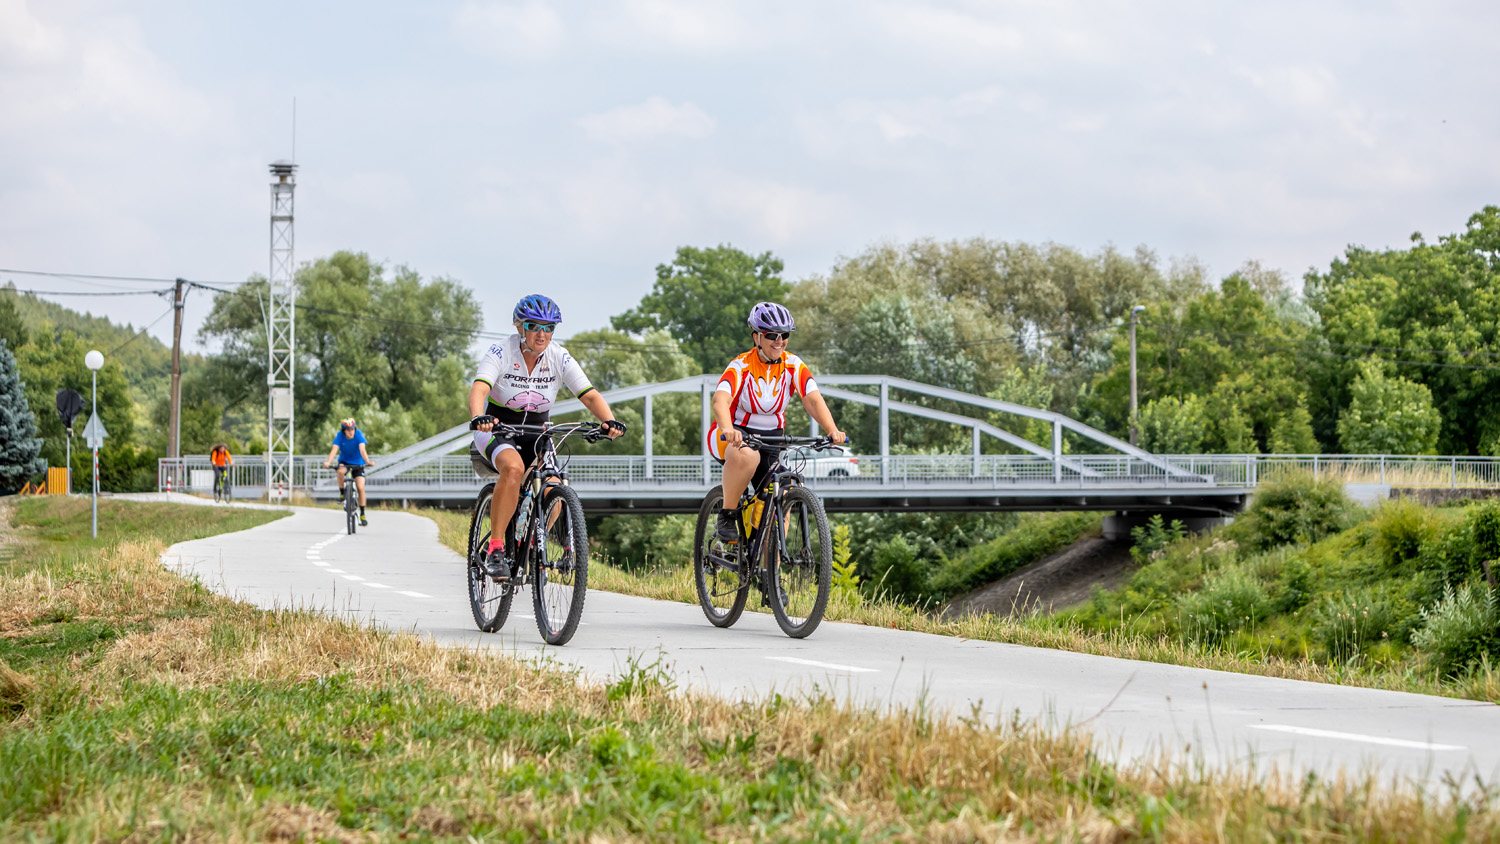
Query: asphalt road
<point x="396" y="574"/>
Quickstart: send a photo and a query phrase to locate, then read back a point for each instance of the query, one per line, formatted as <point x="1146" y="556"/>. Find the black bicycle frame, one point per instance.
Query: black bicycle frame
<point x="759" y="534"/>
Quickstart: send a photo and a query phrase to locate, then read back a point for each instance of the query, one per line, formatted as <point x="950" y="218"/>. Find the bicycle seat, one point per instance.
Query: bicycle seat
<point x="482" y="467"/>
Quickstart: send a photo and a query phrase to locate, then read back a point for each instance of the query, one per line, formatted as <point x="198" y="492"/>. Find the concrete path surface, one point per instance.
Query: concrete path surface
<point x="397" y="575"/>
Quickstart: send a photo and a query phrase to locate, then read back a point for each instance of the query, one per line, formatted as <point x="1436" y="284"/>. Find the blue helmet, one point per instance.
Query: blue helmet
<point x="537" y="308"/>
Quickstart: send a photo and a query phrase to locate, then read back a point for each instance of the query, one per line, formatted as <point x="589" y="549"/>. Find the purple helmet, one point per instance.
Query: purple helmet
<point x="769" y="316"/>
<point x="538" y="308"/>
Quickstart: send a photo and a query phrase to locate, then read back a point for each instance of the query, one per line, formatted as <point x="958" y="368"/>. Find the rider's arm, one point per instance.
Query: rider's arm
<point x="600" y="408"/>
<point x="725" y="420"/>
<point x="479" y="396"/>
<point x="818" y="410"/>
<point x="364" y="454"/>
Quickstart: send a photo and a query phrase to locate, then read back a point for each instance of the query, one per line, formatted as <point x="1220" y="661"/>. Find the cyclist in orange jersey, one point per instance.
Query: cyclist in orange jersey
<point x="751" y="398"/>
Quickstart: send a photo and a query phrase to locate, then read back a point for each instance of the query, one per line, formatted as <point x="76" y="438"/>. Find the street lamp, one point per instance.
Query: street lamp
<point x="1135" y="313"/>
<point x="94" y="360"/>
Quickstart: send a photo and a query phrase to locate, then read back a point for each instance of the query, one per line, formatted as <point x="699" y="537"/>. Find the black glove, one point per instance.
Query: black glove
<point x="615" y="424"/>
<point x="481" y="419"/>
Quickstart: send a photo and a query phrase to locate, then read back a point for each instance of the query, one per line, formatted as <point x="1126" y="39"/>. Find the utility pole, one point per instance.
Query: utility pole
<point x="281" y="333"/>
<point x="1134" y="318"/>
<point x="174" y="421"/>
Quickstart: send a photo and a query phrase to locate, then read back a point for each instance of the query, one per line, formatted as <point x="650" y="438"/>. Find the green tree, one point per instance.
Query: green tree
<point x="1293" y="433"/>
<point x="1174" y="426"/>
<point x="20" y="447"/>
<point x="12" y="326"/>
<point x="703" y="298"/>
<point x="1432" y="313"/>
<point x="1230" y="346"/>
<point x="364" y="341"/>
<point x="615" y="359"/>
<point x="1388" y="415"/>
<point x="53" y="361"/>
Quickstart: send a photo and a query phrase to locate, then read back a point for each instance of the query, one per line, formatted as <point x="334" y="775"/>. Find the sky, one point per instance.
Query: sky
<point x="569" y="148"/>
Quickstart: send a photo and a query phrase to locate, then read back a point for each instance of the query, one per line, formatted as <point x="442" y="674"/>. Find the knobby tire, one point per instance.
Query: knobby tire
<point x="489" y="601"/>
<point x="721" y="592"/>
<point x="561" y="579"/>
<point x="799" y="575"/>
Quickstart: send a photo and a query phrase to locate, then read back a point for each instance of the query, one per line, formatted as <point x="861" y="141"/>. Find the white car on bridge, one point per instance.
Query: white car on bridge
<point x="835" y="462"/>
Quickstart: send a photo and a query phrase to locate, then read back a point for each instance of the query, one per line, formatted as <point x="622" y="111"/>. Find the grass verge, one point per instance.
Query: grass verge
<point x="1063" y="631"/>
<point x="198" y="718"/>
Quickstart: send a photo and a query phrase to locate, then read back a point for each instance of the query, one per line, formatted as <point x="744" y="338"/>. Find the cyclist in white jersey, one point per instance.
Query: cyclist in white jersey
<point x="517" y="384"/>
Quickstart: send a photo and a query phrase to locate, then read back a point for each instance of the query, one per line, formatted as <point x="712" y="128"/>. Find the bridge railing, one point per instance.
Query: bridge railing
<point x="452" y="473"/>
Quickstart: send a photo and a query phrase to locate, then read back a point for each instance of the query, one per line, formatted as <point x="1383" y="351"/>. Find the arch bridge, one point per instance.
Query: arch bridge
<point x="1095" y="471"/>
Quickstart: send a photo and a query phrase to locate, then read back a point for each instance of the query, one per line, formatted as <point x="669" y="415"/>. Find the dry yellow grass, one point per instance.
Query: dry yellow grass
<point x="913" y="775"/>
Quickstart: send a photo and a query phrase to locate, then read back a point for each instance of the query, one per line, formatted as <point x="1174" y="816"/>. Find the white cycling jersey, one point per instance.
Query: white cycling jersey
<point x="514" y="388"/>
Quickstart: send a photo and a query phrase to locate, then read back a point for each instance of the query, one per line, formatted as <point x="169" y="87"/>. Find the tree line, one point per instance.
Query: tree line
<point x="1384" y="351"/>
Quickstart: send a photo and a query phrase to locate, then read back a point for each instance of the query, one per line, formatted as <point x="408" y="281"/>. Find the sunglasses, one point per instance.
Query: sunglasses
<point x="548" y="327"/>
<point x="776" y="335"/>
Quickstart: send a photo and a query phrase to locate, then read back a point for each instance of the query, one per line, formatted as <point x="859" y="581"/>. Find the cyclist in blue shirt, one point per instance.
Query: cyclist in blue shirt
<point x="349" y="448"/>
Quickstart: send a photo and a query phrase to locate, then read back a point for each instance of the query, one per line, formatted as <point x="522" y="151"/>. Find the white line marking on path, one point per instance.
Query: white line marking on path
<point x="353" y="577"/>
<point x="1392" y="742"/>
<point x="335" y="571"/>
<point x="815" y="664"/>
<point x="321" y="563"/>
<point x="415" y="594"/>
<point x="377" y="586"/>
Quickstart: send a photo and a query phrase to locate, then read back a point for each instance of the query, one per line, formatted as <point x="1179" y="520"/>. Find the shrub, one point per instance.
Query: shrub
<point x="1401" y="528"/>
<point x="1294" y="508"/>
<point x="1348" y="623"/>
<point x="896" y="571"/>
<point x="1229" y="600"/>
<point x="1153" y="537"/>
<point x="1034" y="537"/>
<point x="845" y="580"/>
<point x="1460" y="630"/>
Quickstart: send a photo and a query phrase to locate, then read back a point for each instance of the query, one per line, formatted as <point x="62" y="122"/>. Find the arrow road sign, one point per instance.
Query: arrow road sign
<point x="94" y="433"/>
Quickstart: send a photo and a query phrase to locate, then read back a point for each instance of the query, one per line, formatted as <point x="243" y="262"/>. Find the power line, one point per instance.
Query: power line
<point x="143" y="331"/>
<point x="106" y="277"/>
<point x="86" y="292"/>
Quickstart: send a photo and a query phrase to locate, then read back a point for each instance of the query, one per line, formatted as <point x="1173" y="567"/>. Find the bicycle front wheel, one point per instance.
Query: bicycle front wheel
<point x="721" y="589"/>
<point x="801" y="563"/>
<point x="488" y="600"/>
<point x="561" y="563"/>
<point x="351" y="502"/>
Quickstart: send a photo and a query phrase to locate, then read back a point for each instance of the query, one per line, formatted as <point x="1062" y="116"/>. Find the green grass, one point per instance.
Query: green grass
<point x="151" y="710"/>
<point x="1305" y="586"/>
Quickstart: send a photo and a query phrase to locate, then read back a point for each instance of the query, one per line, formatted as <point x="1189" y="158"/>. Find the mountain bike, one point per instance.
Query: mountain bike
<point x="221" y="484"/>
<point x="351" y="495"/>
<point x="784" y="550"/>
<point x="547" y="540"/>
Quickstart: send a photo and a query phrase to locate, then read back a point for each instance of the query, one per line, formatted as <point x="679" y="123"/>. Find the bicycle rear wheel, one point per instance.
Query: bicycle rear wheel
<point x="561" y="563"/>
<point x="721" y="590"/>
<point x="801" y="563"/>
<point x="488" y="600"/>
<point x="351" y="504"/>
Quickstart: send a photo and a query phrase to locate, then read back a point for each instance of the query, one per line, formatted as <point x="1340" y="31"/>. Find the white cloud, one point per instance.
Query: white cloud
<point x="944" y="30"/>
<point x="653" y="118"/>
<point x="510" y="30"/>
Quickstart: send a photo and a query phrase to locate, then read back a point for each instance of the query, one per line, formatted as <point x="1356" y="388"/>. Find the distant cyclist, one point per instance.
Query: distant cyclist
<point x="751" y="398"/>
<point x="349" y="449"/>
<point x="221" y="461"/>
<point x="517" y="384"/>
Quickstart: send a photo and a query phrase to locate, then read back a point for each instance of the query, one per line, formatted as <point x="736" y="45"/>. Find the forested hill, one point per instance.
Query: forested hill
<point x="145" y="360"/>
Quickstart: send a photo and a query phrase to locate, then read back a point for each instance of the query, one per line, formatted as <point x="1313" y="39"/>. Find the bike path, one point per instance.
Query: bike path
<point x="395" y="574"/>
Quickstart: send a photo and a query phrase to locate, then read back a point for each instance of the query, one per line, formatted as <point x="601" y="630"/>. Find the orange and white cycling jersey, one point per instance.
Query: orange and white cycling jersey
<point x="758" y="391"/>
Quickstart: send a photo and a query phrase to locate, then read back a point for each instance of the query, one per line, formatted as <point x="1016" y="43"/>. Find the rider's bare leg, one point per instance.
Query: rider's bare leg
<point x="507" y="489"/>
<point x="341" y="481"/>
<point x="739" y="469"/>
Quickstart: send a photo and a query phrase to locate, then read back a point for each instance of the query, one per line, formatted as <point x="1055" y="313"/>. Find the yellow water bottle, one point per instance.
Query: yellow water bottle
<point x="752" y="514"/>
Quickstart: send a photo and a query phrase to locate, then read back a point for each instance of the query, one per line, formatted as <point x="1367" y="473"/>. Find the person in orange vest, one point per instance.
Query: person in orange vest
<point x="222" y="461"/>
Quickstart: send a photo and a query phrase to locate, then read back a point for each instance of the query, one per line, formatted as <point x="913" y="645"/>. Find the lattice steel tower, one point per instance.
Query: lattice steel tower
<point x="281" y="323"/>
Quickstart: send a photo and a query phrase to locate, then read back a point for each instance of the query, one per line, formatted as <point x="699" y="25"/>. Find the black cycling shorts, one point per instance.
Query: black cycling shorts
<point x="355" y="470"/>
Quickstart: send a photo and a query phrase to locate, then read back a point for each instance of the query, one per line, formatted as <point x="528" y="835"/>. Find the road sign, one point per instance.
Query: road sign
<point x="94" y="433"/>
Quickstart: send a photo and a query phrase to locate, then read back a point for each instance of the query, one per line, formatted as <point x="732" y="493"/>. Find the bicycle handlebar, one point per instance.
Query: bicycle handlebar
<point x="816" y="443"/>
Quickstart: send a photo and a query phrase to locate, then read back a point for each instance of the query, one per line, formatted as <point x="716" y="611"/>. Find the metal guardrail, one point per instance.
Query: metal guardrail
<point x="453" y="475"/>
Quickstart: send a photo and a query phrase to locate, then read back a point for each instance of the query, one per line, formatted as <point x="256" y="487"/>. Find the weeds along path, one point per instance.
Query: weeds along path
<point x="395" y="574"/>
